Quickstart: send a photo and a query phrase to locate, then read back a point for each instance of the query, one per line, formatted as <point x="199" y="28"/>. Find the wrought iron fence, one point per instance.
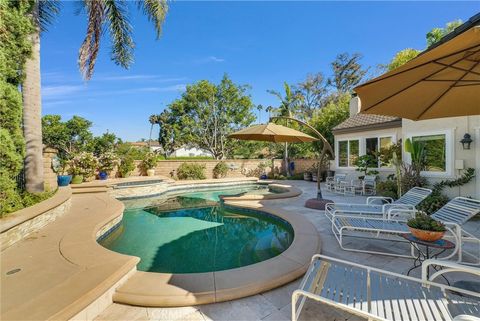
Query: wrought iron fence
<point x="20" y="180"/>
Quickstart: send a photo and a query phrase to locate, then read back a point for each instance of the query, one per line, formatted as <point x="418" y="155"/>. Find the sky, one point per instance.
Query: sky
<point x="262" y="44"/>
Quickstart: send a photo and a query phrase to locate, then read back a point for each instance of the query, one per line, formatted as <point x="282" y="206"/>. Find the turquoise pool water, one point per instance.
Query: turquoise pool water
<point x="191" y="233"/>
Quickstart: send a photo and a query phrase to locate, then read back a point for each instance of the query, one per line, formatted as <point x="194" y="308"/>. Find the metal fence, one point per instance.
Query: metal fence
<point x="20" y="180"/>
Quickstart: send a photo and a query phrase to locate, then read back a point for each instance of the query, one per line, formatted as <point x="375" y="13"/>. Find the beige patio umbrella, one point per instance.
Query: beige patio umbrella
<point x="443" y="81"/>
<point x="272" y="133"/>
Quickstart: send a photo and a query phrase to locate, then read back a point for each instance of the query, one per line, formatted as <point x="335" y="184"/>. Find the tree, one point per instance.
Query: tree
<point x="347" y="72"/>
<point x="107" y="142"/>
<point x="101" y="15"/>
<point x="206" y="113"/>
<point x="166" y="135"/>
<point x="312" y="92"/>
<point x="289" y="102"/>
<point x="402" y="57"/>
<point x="153" y="119"/>
<point x="436" y="34"/>
<point x="332" y="114"/>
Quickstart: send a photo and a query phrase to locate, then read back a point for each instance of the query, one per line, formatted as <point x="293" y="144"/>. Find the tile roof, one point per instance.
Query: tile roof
<point x="361" y="122"/>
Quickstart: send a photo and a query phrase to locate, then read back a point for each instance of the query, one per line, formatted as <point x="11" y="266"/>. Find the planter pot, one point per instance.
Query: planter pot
<point x="428" y="236"/>
<point x="264" y="176"/>
<point x="64" y="180"/>
<point x="330" y="173"/>
<point x="102" y="175"/>
<point x="307" y="176"/>
<point x="150" y="172"/>
<point x="77" y="179"/>
<point x="314" y="177"/>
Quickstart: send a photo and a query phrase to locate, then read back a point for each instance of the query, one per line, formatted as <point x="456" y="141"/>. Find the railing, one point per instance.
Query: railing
<point x="20" y="180"/>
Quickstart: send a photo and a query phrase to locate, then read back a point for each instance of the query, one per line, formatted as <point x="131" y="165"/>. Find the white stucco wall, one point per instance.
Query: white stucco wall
<point x="189" y="152"/>
<point x="454" y="128"/>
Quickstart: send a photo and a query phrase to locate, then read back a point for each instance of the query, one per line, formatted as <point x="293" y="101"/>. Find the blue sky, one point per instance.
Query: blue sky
<point x="261" y="44"/>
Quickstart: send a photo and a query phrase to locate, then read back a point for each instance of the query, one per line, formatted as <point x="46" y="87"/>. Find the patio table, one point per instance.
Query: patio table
<point x="430" y="250"/>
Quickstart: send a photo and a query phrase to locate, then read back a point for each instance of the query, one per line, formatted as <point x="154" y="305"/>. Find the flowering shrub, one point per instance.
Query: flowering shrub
<point x="191" y="171"/>
<point x="149" y="161"/>
<point x="83" y="164"/>
<point x="108" y="161"/>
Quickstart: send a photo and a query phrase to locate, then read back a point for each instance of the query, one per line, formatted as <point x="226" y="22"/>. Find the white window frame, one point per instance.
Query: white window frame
<point x="449" y="151"/>
<point x="337" y="152"/>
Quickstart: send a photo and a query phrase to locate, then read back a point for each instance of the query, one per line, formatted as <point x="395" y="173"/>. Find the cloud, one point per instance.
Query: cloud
<point x="52" y="92"/>
<point x="177" y="87"/>
<point x="210" y="59"/>
<point x="155" y="78"/>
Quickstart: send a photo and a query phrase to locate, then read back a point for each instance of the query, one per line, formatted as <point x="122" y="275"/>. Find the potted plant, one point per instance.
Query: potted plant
<point x="425" y="228"/>
<point x="148" y="164"/>
<point x="82" y="167"/>
<point x="59" y="166"/>
<point x="365" y="162"/>
<point x="126" y="166"/>
<point x="307" y="175"/>
<point x="107" y="161"/>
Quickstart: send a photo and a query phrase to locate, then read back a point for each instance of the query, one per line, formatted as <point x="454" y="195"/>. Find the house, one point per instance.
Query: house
<point x="186" y="151"/>
<point x="447" y="157"/>
<point x="154" y="145"/>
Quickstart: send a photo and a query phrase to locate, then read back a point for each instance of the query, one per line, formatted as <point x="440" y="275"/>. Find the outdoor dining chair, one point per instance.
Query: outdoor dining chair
<point x="332" y="181"/>
<point x="407" y="201"/>
<point x="377" y="294"/>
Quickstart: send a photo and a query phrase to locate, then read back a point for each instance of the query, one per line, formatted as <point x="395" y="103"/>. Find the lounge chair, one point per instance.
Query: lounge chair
<point x="377" y="294"/>
<point x="369" y="185"/>
<point x="407" y="201"/>
<point x="453" y="214"/>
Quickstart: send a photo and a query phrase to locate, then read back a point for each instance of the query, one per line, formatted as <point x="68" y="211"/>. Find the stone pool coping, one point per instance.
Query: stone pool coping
<point x="169" y="290"/>
<point x="286" y="191"/>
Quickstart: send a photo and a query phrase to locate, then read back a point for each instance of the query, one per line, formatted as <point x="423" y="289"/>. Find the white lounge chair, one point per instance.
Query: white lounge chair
<point x="377" y="294"/>
<point x="453" y="214"/>
<point x="407" y="201"/>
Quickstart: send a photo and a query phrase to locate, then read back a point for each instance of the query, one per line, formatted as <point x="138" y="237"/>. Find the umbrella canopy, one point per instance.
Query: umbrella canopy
<point x="272" y="133"/>
<point x="443" y="81"/>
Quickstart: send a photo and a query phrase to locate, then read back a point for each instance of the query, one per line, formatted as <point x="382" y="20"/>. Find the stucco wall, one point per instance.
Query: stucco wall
<point x="454" y="128"/>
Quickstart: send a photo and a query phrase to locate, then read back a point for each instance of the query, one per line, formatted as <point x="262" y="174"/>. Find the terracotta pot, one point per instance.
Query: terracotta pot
<point x="150" y="172"/>
<point x="428" y="236"/>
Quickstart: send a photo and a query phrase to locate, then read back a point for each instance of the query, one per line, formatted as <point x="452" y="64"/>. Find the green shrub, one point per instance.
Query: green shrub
<point x="191" y="171"/>
<point x="108" y="161"/>
<point x="433" y="203"/>
<point x="10" y="200"/>
<point x="426" y="223"/>
<point x="220" y="170"/>
<point x="10" y="159"/>
<point x="127" y="165"/>
<point x="387" y="188"/>
<point x="84" y="164"/>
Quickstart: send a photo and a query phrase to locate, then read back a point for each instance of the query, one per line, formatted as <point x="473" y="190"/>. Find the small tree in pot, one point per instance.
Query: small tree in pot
<point x="148" y="164"/>
<point x="127" y="165"/>
<point x="82" y="167"/>
<point x="108" y="161"/>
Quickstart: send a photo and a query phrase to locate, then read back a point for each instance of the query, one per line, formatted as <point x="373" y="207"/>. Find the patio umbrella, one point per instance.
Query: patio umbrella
<point x="272" y="133"/>
<point x="443" y="81"/>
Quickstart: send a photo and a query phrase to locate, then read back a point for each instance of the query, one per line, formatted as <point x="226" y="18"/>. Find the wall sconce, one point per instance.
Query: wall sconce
<point x="466" y="141"/>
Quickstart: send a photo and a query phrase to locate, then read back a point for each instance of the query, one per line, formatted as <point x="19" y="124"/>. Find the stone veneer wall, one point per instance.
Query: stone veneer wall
<point x="50" y="175"/>
<point x="32" y="221"/>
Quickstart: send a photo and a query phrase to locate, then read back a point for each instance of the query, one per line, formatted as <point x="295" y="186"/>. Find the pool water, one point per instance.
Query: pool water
<point x="192" y="233"/>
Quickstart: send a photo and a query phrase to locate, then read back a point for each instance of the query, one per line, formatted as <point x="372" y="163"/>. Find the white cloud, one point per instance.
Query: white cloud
<point x="209" y="59"/>
<point x="52" y="92"/>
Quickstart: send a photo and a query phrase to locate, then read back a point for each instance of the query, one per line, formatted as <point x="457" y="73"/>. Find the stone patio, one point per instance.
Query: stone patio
<point x="275" y="304"/>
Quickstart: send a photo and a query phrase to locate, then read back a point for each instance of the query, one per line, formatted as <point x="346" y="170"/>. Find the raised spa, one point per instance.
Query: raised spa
<point x="192" y="232"/>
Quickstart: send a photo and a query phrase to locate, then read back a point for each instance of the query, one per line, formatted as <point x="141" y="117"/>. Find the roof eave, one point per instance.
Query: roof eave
<point x="385" y="125"/>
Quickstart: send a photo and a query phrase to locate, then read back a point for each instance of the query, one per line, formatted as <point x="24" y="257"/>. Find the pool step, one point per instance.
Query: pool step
<point x="84" y="190"/>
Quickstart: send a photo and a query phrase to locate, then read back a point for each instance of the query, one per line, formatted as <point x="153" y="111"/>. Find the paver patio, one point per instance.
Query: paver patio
<point x="275" y="304"/>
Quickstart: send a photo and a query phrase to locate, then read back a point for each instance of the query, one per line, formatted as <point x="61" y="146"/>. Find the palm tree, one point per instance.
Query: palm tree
<point x="288" y="106"/>
<point x="153" y="119"/>
<point x="101" y="14"/>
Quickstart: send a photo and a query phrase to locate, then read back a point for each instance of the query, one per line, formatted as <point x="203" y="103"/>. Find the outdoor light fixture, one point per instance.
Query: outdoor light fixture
<point x="466" y="141"/>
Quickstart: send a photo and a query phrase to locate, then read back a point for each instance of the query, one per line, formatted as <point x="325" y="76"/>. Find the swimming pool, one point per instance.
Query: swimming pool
<point x="192" y="233"/>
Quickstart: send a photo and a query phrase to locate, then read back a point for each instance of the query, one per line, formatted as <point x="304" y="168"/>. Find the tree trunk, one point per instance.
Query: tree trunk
<point x="32" y="117"/>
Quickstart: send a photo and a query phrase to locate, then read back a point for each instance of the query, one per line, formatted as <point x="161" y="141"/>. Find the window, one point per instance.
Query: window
<point x="435" y="152"/>
<point x="348" y="152"/>
<point x="371" y="147"/>
<point x="343" y="153"/>
<point x="385" y="142"/>
<point x="354" y="152"/>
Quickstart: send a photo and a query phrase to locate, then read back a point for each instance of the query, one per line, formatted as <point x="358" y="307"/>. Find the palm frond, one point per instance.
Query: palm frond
<point x="120" y="32"/>
<point x="47" y="12"/>
<point x="88" y="53"/>
<point x="155" y="10"/>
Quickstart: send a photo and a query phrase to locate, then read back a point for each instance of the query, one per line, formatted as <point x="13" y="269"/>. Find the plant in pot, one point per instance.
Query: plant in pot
<point x="59" y="166"/>
<point x="363" y="164"/>
<point x="108" y="161"/>
<point x="425" y="228"/>
<point x="82" y="167"/>
<point x="220" y="170"/>
<point x="148" y="164"/>
<point x="126" y="166"/>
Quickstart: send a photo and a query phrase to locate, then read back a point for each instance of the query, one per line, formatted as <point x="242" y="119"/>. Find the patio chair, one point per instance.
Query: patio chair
<point x="369" y="185"/>
<point x="376" y="294"/>
<point x="453" y="214"/>
<point x="331" y="182"/>
<point x="407" y="201"/>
